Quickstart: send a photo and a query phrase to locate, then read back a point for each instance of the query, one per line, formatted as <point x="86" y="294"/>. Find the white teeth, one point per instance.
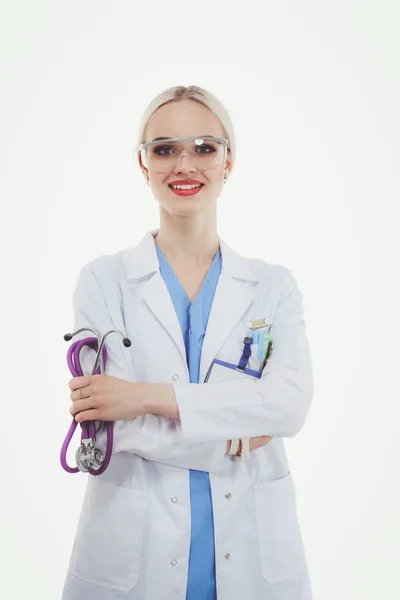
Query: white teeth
<point x="185" y="187"/>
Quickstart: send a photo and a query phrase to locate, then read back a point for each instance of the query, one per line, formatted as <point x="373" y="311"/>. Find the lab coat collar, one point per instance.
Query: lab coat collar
<point x="233" y="296"/>
<point x="142" y="260"/>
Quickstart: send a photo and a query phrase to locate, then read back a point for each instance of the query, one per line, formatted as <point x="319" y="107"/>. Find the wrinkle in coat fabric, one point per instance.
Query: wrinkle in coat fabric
<point x="193" y="318"/>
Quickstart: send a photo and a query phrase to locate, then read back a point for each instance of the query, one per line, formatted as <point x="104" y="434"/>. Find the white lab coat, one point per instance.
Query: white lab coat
<point x="133" y="537"/>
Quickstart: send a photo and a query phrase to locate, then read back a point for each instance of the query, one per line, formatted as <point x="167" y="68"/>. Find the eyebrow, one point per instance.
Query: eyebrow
<point x="167" y="138"/>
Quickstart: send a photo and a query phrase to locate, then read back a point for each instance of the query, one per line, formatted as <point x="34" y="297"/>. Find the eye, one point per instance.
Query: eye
<point x="205" y="149"/>
<point x="163" y="150"/>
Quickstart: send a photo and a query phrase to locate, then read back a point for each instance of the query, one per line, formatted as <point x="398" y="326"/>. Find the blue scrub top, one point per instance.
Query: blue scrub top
<point x="193" y="318"/>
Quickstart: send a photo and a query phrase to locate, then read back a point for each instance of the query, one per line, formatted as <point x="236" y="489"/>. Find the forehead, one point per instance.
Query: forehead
<point x="182" y="119"/>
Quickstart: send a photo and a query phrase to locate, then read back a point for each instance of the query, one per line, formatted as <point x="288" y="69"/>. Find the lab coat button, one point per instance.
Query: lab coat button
<point x="175" y="377"/>
<point x="174" y="499"/>
<point x="173" y="562"/>
<point x="228" y="495"/>
<point x="227" y="555"/>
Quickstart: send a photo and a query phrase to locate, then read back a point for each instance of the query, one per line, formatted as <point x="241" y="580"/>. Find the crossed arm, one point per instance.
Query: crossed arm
<point x="108" y="398"/>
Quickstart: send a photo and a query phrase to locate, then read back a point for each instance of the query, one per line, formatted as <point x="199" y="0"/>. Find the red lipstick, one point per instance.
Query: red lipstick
<point x="187" y="192"/>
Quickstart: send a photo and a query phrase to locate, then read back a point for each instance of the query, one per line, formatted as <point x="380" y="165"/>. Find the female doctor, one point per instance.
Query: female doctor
<point x="198" y="501"/>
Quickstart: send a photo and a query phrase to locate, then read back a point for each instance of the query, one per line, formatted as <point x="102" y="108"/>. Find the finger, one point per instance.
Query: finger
<point x="78" y="382"/>
<point x="76" y="395"/>
<point x="88" y="415"/>
<point x="80" y="405"/>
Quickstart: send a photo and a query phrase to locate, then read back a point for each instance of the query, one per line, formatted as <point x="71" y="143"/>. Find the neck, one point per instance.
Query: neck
<point x="190" y="246"/>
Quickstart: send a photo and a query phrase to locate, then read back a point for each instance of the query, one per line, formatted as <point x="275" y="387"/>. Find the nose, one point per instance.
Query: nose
<point x="183" y="164"/>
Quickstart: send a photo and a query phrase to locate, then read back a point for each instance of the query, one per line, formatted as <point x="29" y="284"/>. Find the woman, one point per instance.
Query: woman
<point x="182" y="511"/>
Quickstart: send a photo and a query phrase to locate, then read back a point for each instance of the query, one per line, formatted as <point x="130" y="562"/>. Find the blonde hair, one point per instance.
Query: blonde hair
<point x="196" y="94"/>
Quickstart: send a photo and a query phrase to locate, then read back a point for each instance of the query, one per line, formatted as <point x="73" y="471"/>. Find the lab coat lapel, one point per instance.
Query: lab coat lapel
<point x="155" y="293"/>
<point x="233" y="296"/>
<point x="231" y="300"/>
<point x="143" y="268"/>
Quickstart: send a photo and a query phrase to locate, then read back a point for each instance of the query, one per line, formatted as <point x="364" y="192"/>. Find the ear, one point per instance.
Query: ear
<point x="143" y="168"/>
<point x="228" y="165"/>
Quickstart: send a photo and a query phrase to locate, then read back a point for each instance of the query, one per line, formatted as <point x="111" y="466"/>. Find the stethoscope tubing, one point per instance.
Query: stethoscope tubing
<point x="88" y="428"/>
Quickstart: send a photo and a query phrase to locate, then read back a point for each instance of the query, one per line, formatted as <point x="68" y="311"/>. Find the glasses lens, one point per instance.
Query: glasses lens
<point x="162" y="157"/>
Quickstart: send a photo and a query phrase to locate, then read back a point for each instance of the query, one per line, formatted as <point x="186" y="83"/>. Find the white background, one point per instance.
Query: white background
<point x="313" y="91"/>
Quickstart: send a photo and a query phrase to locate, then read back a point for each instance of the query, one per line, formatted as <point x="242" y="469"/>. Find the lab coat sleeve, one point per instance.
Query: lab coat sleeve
<point x="276" y="404"/>
<point x="164" y="444"/>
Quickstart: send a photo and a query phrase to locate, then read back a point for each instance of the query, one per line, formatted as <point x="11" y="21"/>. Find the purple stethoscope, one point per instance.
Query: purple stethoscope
<point x="89" y="458"/>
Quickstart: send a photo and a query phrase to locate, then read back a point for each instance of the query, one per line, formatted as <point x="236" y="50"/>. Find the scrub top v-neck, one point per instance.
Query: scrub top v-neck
<point x="193" y="319"/>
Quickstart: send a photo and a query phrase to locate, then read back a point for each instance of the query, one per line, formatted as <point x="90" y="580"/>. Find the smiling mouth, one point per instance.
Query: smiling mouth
<point x="186" y="190"/>
<point x="186" y="187"/>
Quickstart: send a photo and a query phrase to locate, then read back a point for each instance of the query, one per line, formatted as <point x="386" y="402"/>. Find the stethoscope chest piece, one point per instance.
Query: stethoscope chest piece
<point x="88" y="456"/>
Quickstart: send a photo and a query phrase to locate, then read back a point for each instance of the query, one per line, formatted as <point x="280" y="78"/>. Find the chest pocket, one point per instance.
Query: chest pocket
<point x="256" y="359"/>
<point x="108" y="542"/>
<point x="282" y="553"/>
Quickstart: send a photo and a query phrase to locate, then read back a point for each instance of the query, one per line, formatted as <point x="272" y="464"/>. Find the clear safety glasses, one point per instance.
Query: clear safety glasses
<point x="162" y="155"/>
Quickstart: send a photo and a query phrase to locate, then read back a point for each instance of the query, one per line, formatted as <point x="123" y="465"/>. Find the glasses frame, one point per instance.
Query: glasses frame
<point x="199" y="140"/>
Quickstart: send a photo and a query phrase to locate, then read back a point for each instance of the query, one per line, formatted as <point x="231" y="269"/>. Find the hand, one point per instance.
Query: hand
<point x="259" y="441"/>
<point x="106" y="398"/>
<point x="254" y="443"/>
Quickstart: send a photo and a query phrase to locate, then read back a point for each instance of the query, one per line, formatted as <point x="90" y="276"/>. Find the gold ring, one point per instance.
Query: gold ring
<point x="81" y="396"/>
